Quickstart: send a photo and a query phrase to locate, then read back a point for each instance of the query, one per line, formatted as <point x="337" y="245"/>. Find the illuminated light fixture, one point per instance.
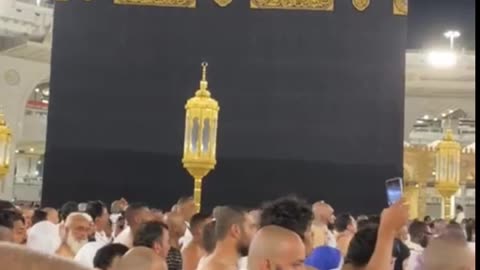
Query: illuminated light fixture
<point x="444" y="114"/>
<point x="443" y="59"/>
<point x="200" y="142"/>
<point x="46" y="92"/>
<point x="5" y="144"/>
<point x="37" y="90"/>
<point x="435" y="119"/>
<point x="32" y="149"/>
<point x="420" y="122"/>
<point x="452" y="35"/>
<point x="450" y="111"/>
<point x="426" y="117"/>
<point x="448" y="166"/>
<point x="44" y="101"/>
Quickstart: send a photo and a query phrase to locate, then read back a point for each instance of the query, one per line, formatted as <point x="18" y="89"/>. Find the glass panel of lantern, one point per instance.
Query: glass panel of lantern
<point x="195" y="134"/>
<point x="3" y="152"/>
<point x="206" y="136"/>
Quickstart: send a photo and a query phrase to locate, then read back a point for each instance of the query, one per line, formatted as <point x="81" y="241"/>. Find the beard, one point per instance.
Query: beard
<point x="242" y="249"/>
<point x="74" y="244"/>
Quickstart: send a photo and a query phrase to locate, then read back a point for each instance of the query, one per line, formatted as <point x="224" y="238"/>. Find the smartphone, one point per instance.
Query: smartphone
<point x="394" y="188"/>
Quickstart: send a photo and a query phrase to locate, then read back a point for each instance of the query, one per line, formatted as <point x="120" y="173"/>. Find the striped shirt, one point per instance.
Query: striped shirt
<point x="174" y="259"/>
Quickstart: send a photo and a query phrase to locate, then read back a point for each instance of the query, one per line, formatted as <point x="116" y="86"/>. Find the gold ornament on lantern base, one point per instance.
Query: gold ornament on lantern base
<point x="199" y="152"/>
<point x="447" y="177"/>
<point x="5" y="141"/>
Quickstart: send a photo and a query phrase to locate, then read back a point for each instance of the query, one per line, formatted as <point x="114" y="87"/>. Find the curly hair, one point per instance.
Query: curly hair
<point x="289" y="212"/>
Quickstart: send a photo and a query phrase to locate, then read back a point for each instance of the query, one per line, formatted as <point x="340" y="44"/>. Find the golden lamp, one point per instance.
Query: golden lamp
<point x="5" y="142"/>
<point x="199" y="147"/>
<point x="447" y="177"/>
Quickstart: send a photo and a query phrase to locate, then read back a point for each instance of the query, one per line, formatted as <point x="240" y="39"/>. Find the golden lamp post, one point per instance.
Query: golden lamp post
<point x="447" y="178"/>
<point x="199" y="147"/>
<point x="5" y="141"/>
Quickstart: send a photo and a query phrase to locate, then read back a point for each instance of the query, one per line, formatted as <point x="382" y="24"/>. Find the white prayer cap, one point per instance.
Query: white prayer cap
<point x="44" y="237"/>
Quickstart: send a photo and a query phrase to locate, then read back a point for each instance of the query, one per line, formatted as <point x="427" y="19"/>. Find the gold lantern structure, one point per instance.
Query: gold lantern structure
<point x="5" y="141"/>
<point x="199" y="151"/>
<point x="447" y="177"/>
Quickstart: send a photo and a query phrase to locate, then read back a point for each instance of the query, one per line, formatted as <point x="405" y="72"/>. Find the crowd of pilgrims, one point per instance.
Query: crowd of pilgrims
<point x="283" y="234"/>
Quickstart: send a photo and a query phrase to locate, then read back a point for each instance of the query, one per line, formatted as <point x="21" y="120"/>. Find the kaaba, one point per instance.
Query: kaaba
<point x="311" y="95"/>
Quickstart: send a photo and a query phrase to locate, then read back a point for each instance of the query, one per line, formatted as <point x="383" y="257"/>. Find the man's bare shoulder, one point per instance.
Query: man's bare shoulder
<point x="216" y="265"/>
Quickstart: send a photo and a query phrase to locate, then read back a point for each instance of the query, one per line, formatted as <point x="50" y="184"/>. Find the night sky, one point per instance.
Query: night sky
<point x="429" y="19"/>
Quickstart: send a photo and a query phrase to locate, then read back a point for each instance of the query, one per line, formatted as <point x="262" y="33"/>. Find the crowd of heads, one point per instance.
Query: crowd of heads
<point x="282" y="234"/>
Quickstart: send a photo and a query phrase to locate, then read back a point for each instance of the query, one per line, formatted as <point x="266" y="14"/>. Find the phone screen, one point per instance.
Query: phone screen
<point x="394" y="189"/>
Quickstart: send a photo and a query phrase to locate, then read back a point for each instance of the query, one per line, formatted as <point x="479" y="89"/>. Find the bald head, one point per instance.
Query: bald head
<point x="52" y="215"/>
<point x="20" y="258"/>
<point x="441" y="250"/>
<point x="322" y="212"/>
<point x="278" y="246"/>
<point x="141" y="258"/>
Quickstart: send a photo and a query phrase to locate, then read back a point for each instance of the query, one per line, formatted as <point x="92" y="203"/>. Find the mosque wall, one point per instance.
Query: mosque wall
<point x="18" y="78"/>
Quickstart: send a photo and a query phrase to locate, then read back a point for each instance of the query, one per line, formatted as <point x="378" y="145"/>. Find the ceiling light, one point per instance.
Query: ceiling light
<point x="37" y="90"/>
<point x="426" y="117"/>
<point x="439" y="59"/>
<point x="31" y="149"/>
<point x="452" y="35"/>
<point x="444" y="114"/>
<point x="45" y="101"/>
<point x="46" y="92"/>
<point x="450" y="111"/>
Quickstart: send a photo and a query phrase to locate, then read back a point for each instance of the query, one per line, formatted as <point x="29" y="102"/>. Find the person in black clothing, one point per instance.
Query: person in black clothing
<point x="176" y="229"/>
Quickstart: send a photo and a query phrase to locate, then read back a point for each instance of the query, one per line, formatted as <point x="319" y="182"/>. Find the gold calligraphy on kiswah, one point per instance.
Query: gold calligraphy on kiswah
<point x="361" y="5"/>
<point x="159" y="3"/>
<point x="324" y="5"/>
<point x="400" y="7"/>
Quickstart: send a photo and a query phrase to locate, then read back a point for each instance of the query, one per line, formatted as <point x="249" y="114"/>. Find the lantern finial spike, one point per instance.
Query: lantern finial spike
<point x="203" y="91"/>
<point x="204" y="71"/>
